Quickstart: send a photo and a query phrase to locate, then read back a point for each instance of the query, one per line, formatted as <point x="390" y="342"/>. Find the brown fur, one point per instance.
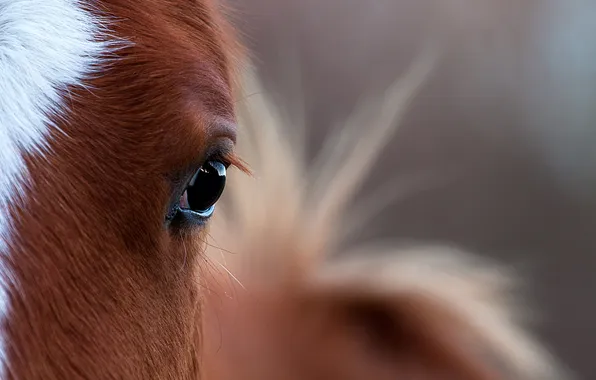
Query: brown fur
<point x="281" y="306"/>
<point x="102" y="289"/>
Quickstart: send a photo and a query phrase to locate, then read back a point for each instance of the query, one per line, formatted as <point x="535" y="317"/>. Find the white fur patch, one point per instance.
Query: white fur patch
<point x="46" y="46"/>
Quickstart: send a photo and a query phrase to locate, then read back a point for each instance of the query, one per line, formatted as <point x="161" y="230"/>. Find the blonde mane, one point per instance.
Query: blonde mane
<point x="275" y="241"/>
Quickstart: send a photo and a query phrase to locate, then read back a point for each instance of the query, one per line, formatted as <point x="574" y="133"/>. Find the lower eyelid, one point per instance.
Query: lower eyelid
<point x="172" y="213"/>
<point x="207" y="213"/>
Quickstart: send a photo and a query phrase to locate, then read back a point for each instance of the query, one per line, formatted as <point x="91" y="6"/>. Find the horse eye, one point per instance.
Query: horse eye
<point x="204" y="189"/>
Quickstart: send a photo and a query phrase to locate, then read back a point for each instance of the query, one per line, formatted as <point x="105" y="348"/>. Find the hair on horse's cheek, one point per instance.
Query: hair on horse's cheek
<point x="99" y="101"/>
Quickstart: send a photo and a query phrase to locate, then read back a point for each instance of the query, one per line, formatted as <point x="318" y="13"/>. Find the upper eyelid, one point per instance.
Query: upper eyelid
<point x="221" y="150"/>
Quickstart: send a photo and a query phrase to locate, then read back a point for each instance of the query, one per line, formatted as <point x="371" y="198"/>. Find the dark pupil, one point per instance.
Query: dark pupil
<point x="206" y="187"/>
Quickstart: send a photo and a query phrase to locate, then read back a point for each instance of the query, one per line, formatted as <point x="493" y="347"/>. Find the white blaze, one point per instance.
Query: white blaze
<point x="46" y="46"/>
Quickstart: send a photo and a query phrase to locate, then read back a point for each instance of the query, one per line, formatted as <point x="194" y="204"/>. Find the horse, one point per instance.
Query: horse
<point x="288" y="298"/>
<point x="117" y="129"/>
<point x="117" y="125"/>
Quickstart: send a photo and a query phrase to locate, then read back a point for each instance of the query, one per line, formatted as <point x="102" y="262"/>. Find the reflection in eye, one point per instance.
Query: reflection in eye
<point x="204" y="189"/>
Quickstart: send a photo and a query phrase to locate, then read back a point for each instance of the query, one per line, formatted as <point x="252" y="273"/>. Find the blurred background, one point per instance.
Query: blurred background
<point x="508" y="121"/>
